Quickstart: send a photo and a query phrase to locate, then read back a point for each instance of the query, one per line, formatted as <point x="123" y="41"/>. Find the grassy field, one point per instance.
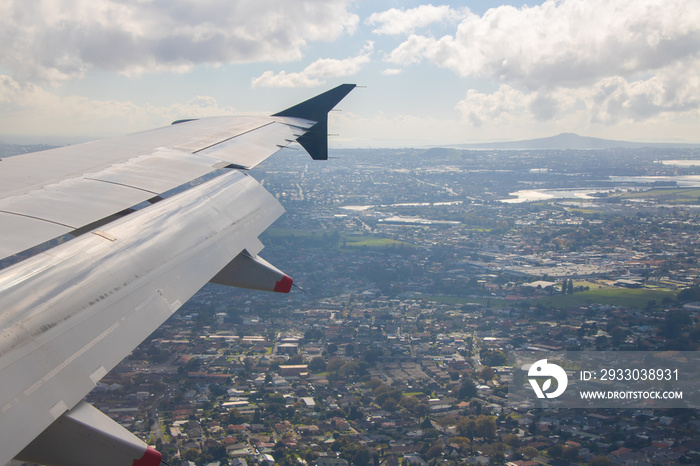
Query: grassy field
<point x="321" y="238"/>
<point x="671" y="196"/>
<point x="369" y="241"/>
<point x="633" y="298"/>
<point x="487" y="302"/>
<point x="288" y="232"/>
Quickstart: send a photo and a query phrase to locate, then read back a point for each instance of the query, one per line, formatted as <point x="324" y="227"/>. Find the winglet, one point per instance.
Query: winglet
<point x="315" y="141"/>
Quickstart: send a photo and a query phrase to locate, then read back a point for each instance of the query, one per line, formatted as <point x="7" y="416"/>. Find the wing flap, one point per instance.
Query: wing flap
<point x="253" y="272"/>
<point x="201" y="133"/>
<point x="28" y="172"/>
<point x="157" y="173"/>
<point x="75" y="203"/>
<point x="34" y="231"/>
<point x="249" y="149"/>
<point x="84" y="436"/>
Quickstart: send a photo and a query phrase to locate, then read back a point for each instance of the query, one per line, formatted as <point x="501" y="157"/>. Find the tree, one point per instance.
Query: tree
<point x="466" y="428"/>
<point x="511" y="440"/>
<point x="530" y="452"/>
<point x="373" y="383"/>
<point x="485" y="426"/>
<point x="689" y="294"/>
<point x="422" y="410"/>
<point x="362" y="457"/>
<point x="295" y="360"/>
<point x="191" y="455"/>
<point x="435" y="451"/>
<point x="556" y="451"/>
<point x="666" y="301"/>
<point x="674" y="323"/>
<point x="313" y="334"/>
<point x="317" y="364"/>
<point x="215" y="452"/>
<point x="351" y="367"/>
<point x="334" y="364"/>
<point x="601" y="461"/>
<point x="497" y="458"/>
<point x="373" y="355"/>
<point x="467" y="390"/>
<point x="409" y="403"/>
<point x="618" y="336"/>
<point x="350" y="349"/>
<point x="493" y="358"/>
<point x="234" y="417"/>
<point x="390" y="405"/>
<point x="570" y="454"/>
<point x="487" y="373"/>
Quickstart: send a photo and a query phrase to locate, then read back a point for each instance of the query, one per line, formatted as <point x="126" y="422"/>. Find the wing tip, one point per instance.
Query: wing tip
<point x="150" y="458"/>
<point x="317" y="107"/>
<point x="284" y="285"/>
<point x="315" y="141"/>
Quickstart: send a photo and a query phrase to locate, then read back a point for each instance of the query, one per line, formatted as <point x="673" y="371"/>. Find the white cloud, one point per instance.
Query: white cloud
<point x="29" y="110"/>
<point x="44" y="40"/>
<point x="675" y="90"/>
<point x="566" y="42"/>
<point x="413" y="50"/>
<point x="314" y="74"/>
<point x="573" y="64"/>
<point x="284" y="79"/>
<point x="671" y="96"/>
<point x="396" y="21"/>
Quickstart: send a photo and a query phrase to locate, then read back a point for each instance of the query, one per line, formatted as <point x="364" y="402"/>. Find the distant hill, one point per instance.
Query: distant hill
<point x="571" y="141"/>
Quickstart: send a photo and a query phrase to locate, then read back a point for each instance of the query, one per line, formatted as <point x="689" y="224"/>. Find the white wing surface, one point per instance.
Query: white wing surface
<point x="70" y="313"/>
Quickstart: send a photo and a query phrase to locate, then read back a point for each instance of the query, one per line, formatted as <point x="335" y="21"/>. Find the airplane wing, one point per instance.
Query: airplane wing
<point x="107" y="240"/>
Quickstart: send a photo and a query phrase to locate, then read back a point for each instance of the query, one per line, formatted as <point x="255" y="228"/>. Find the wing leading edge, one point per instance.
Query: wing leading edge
<point x="72" y="312"/>
<point x="61" y="191"/>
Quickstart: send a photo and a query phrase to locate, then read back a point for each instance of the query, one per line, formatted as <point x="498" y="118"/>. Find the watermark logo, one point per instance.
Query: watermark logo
<point x="604" y="379"/>
<point x="542" y="369"/>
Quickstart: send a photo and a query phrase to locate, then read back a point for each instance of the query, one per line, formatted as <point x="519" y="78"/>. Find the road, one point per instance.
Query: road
<point x="156" y="426"/>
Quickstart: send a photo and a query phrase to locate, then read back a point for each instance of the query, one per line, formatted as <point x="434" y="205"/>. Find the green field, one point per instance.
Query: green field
<point x="320" y="238"/>
<point x="487" y="302"/>
<point x="671" y="196"/>
<point x="633" y="298"/>
<point x="370" y="241"/>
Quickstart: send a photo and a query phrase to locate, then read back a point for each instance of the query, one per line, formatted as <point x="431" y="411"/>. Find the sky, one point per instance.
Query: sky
<point x="438" y="73"/>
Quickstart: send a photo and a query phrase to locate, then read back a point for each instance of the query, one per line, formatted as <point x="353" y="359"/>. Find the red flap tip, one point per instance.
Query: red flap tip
<point x="150" y="458"/>
<point x="284" y="285"/>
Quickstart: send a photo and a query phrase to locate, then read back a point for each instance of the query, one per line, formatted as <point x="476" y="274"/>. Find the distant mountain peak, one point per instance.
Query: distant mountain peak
<point x="563" y="141"/>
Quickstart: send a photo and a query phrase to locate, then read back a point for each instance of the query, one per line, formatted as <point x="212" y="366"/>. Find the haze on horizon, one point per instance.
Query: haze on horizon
<point x="435" y="73"/>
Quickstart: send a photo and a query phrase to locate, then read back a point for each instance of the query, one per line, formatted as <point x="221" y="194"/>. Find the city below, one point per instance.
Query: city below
<point x="419" y="271"/>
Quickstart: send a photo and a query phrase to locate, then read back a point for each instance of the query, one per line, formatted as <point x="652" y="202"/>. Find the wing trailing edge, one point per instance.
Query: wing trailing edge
<point x="62" y="311"/>
<point x="315" y="140"/>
